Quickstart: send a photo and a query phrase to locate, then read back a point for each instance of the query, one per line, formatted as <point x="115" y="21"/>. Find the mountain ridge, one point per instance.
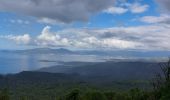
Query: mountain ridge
<point x="114" y="53"/>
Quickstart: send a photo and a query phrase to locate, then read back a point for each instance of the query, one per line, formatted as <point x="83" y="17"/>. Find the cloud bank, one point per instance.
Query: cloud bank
<point x="150" y="37"/>
<point x="58" y="10"/>
<point x="164" y="4"/>
<point x="163" y="18"/>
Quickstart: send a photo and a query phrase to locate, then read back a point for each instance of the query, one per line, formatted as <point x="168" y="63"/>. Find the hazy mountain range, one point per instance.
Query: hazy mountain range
<point x="116" y="53"/>
<point x="91" y="73"/>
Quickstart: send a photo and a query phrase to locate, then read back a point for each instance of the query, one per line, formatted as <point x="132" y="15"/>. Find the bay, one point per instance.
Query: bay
<point x="16" y="62"/>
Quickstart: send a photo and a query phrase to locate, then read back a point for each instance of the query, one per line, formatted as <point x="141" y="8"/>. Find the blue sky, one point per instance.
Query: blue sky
<point x="111" y="24"/>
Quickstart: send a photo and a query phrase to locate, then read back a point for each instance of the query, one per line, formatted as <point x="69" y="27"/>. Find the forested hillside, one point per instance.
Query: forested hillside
<point x="59" y="86"/>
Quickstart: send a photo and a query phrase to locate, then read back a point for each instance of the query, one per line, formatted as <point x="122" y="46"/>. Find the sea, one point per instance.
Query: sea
<point x="17" y="62"/>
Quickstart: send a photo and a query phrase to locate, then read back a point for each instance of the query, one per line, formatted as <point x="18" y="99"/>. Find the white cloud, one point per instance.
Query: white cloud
<point x="49" y="21"/>
<point x="138" y="8"/>
<point x="48" y="38"/>
<point x="111" y="43"/>
<point x="127" y="7"/>
<point x="20" y="39"/>
<point x="19" y="21"/>
<point x="148" y="37"/>
<point x="164" y="18"/>
<point x="80" y="38"/>
<point x="46" y="35"/>
<point x="116" y="10"/>
<point x="121" y="44"/>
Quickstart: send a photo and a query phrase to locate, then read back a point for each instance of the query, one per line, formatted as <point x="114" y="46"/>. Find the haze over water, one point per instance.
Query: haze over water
<point x="15" y="62"/>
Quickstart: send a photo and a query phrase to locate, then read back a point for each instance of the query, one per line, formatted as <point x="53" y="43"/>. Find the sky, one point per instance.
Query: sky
<point x="85" y="24"/>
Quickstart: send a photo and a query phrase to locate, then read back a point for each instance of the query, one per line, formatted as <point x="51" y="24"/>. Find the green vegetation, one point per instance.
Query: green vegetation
<point x="49" y="91"/>
<point x="4" y="94"/>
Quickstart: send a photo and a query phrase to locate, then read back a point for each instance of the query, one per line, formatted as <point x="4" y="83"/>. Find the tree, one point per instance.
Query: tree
<point x="161" y="82"/>
<point x="74" y="95"/>
<point x="95" y="95"/>
<point x="4" y="94"/>
<point x="110" y="95"/>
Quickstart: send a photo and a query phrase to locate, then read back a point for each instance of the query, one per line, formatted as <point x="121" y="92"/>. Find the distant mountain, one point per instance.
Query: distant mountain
<point x="48" y="50"/>
<point x="113" y="53"/>
<point x="41" y="51"/>
<point x="127" y="53"/>
<point x="110" y="70"/>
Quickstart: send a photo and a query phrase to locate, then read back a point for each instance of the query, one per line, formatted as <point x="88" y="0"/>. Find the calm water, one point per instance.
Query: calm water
<point x="14" y="63"/>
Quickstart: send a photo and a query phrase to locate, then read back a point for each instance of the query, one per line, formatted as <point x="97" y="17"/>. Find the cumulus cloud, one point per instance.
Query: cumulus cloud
<point x="138" y="8"/>
<point x="124" y="7"/>
<point x="20" y="39"/>
<point x="48" y="38"/>
<point x="137" y="37"/>
<point x="118" y="43"/>
<point x="58" y="10"/>
<point x="148" y="37"/>
<point x="164" y="18"/>
<point x="116" y="10"/>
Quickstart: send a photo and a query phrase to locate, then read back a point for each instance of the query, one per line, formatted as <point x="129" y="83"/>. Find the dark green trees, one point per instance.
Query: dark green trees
<point x="161" y="83"/>
<point x="94" y="95"/>
<point x="74" y="95"/>
<point x="4" y="94"/>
